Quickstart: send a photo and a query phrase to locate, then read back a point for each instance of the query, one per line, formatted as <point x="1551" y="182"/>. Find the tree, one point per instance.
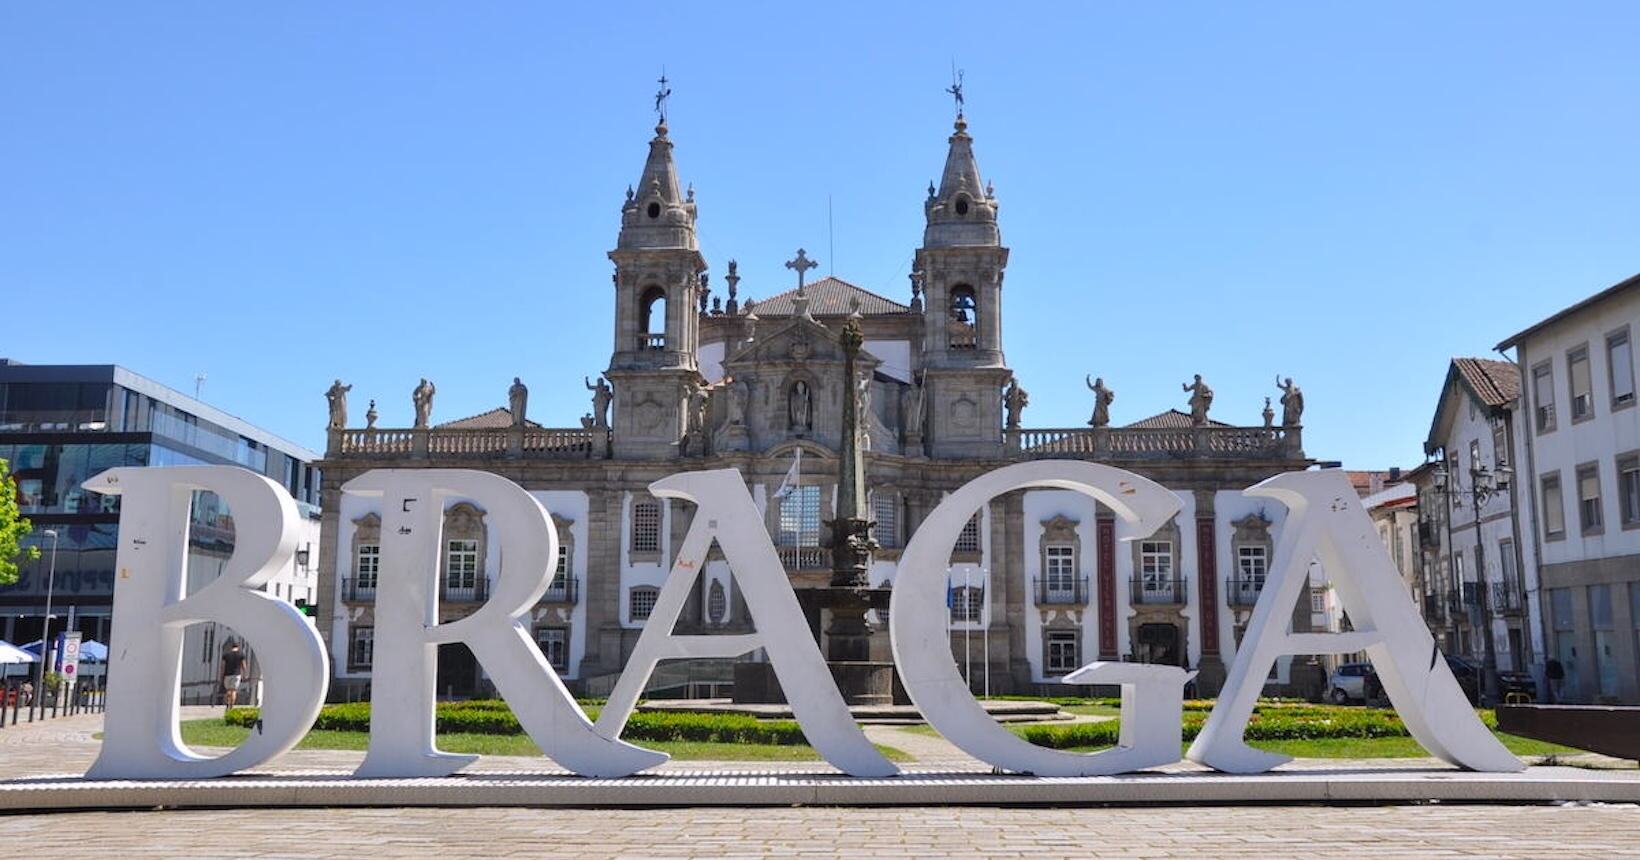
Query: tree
<point x="13" y="528"/>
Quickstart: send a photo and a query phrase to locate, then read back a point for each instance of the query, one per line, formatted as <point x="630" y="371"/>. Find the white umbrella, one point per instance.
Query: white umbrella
<point x="10" y="653"/>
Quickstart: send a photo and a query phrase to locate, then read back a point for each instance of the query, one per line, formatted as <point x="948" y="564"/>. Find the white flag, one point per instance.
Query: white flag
<point x="788" y="484"/>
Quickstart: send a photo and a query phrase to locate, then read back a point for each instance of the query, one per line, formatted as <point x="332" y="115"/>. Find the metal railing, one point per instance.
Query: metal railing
<point x="20" y="702"/>
<point x="1061" y="590"/>
<point x="1159" y="590"/>
<point x="1242" y="590"/>
<point x="1506" y="597"/>
<point x="805" y="557"/>
<point x="354" y="591"/>
<point x="564" y="589"/>
<point x="477" y="591"/>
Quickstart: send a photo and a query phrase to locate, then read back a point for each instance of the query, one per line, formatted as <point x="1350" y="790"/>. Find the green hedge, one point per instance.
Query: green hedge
<point x="1273" y="722"/>
<point x="493" y="717"/>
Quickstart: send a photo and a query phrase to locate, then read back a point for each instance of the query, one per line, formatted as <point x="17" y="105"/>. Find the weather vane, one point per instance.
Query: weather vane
<point x="661" y="96"/>
<point x="956" y="87"/>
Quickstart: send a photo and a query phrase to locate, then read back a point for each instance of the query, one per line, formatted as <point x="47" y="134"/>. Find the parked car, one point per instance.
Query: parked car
<point x="1510" y="683"/>
<point x="1468" y="673"/>
<point x="1353" y="682"/>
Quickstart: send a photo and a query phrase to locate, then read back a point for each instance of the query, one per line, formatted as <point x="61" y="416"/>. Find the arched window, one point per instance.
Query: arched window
<point x="964" y="314"/>
<point x="652" y="319"/>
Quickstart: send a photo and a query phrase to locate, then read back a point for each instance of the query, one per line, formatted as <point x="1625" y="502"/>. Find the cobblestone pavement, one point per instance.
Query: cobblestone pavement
<point x="1269" y="831"/>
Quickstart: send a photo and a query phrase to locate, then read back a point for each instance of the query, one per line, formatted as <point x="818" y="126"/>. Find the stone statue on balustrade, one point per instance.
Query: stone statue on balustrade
<point x="1292" y="403"/>
<point x="518" y="398"/>
<point x="370" y="417"/>
<point x="1102" y="398"/>
<point x="422" y="398"/>
<point x="602" y="394"/>
<point x="1015" y="399"/>
<point x="337" y="397"/>
<point x="1201" y="400"/>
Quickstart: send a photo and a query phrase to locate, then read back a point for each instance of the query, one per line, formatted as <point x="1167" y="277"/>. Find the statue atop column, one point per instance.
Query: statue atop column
<point x="1292" y="402"/>
<point x="1015" y="399"/>
<point x="518" y="397"/>
<point x="602" y="394"/>
<point x="1201" y="400"/>
<point x="336" y="396"/>
<point x="1102" y="398"/>
<point x="422" y="398"/>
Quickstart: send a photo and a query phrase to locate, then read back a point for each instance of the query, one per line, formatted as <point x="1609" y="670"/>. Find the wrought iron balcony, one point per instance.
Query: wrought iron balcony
<point x="564" y="590"/>
<point x="1159" y="591"/>
<point x="1243" y="590"/>
<point x="1061" y="590"/>
<point x="1506" y="597"/>
<point x="473" y="591"/>
<point x="354" y="591"/>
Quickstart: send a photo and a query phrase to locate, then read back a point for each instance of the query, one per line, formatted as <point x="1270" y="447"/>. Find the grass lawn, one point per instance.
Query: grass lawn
<point x="214" y="733"/>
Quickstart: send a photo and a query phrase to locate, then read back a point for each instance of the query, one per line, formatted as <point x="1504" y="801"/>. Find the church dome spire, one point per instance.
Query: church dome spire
<point x="657" y="214"/>
<point x="963" y="209"/>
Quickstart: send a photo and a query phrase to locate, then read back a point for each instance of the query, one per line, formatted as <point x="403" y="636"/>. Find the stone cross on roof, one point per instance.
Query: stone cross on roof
<point x="802" y="264"/>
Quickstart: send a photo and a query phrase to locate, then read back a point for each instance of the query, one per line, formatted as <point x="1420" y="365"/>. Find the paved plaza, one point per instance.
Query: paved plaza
<point x="1422" y="830"/>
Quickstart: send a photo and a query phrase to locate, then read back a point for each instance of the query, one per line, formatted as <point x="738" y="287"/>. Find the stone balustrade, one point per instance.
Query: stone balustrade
<point x="1156" y="442"/>
<point x="420" y="443"/>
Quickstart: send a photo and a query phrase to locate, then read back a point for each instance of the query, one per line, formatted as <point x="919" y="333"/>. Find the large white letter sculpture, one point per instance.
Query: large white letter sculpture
<point x="154" y="608"/>
<point x="408" y="633"/>
<point x="1326" y="521"/>
<point x="922" y="650"/>
<point x="725" y="513"/>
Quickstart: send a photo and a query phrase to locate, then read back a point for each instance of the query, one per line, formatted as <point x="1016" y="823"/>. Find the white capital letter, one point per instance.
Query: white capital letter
<point x="725" y="512"/>
<point x="408" y="633"/>
<point x="1326" y="521"/>
<point x="141" y="739"/>
<point x="922" y="650"/>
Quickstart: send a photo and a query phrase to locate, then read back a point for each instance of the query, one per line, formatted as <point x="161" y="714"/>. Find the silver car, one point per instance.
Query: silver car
<point x="1349" y="682"/>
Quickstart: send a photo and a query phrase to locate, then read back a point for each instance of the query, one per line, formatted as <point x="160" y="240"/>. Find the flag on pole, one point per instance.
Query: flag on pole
<point x="788" y="484"/>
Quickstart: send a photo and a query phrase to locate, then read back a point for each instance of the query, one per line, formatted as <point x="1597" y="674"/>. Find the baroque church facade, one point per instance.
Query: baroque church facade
<point x="1041" y="581"/>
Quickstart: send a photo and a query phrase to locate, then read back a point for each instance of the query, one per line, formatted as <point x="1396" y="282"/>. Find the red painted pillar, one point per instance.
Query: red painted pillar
<point x="1207" y="580"/>
<point x="1107" y="588"/>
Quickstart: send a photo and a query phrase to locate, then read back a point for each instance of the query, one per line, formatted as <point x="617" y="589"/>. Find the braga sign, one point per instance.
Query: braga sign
<point x="152" y="608"/>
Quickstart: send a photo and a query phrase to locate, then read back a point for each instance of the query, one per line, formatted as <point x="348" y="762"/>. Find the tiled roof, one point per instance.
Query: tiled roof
<point x="829" y="297"/>
<point x="1171" y="419"/>
<point x="1496" y="383"/>
<point x="499" y="418"/>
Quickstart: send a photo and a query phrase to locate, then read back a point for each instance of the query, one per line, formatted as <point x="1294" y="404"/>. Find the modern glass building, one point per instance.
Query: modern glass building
<point x="62" y="424"/>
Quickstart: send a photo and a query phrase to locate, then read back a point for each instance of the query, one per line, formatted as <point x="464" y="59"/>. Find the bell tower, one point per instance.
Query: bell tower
<point x="658" y="273"/>
<point x="960" y="267"/>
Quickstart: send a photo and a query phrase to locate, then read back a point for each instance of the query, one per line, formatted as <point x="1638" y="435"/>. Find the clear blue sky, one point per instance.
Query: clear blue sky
<point x="279" y="194"/>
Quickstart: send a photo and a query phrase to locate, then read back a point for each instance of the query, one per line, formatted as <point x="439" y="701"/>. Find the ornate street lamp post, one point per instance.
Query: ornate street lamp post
<point x="1483" y="486"/>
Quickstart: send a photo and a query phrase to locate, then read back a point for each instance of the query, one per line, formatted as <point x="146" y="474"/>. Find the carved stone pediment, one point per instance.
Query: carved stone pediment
<point x="795" y="341"/>
<point x="1059" y="528"/>
<point x="1253" y="528"/>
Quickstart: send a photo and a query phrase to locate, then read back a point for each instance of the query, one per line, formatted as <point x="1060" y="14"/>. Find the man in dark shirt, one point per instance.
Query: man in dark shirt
<point x="233" y="672"/>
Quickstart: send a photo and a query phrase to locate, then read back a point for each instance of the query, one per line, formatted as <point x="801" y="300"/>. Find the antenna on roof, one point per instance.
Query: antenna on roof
<point x="199" y="383"/>
<point x="831" y="239"/>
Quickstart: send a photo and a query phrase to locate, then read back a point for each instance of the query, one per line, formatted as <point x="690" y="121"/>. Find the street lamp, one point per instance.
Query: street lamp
<point x="45" y="633"/>
<point x="1484" y="485"/>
